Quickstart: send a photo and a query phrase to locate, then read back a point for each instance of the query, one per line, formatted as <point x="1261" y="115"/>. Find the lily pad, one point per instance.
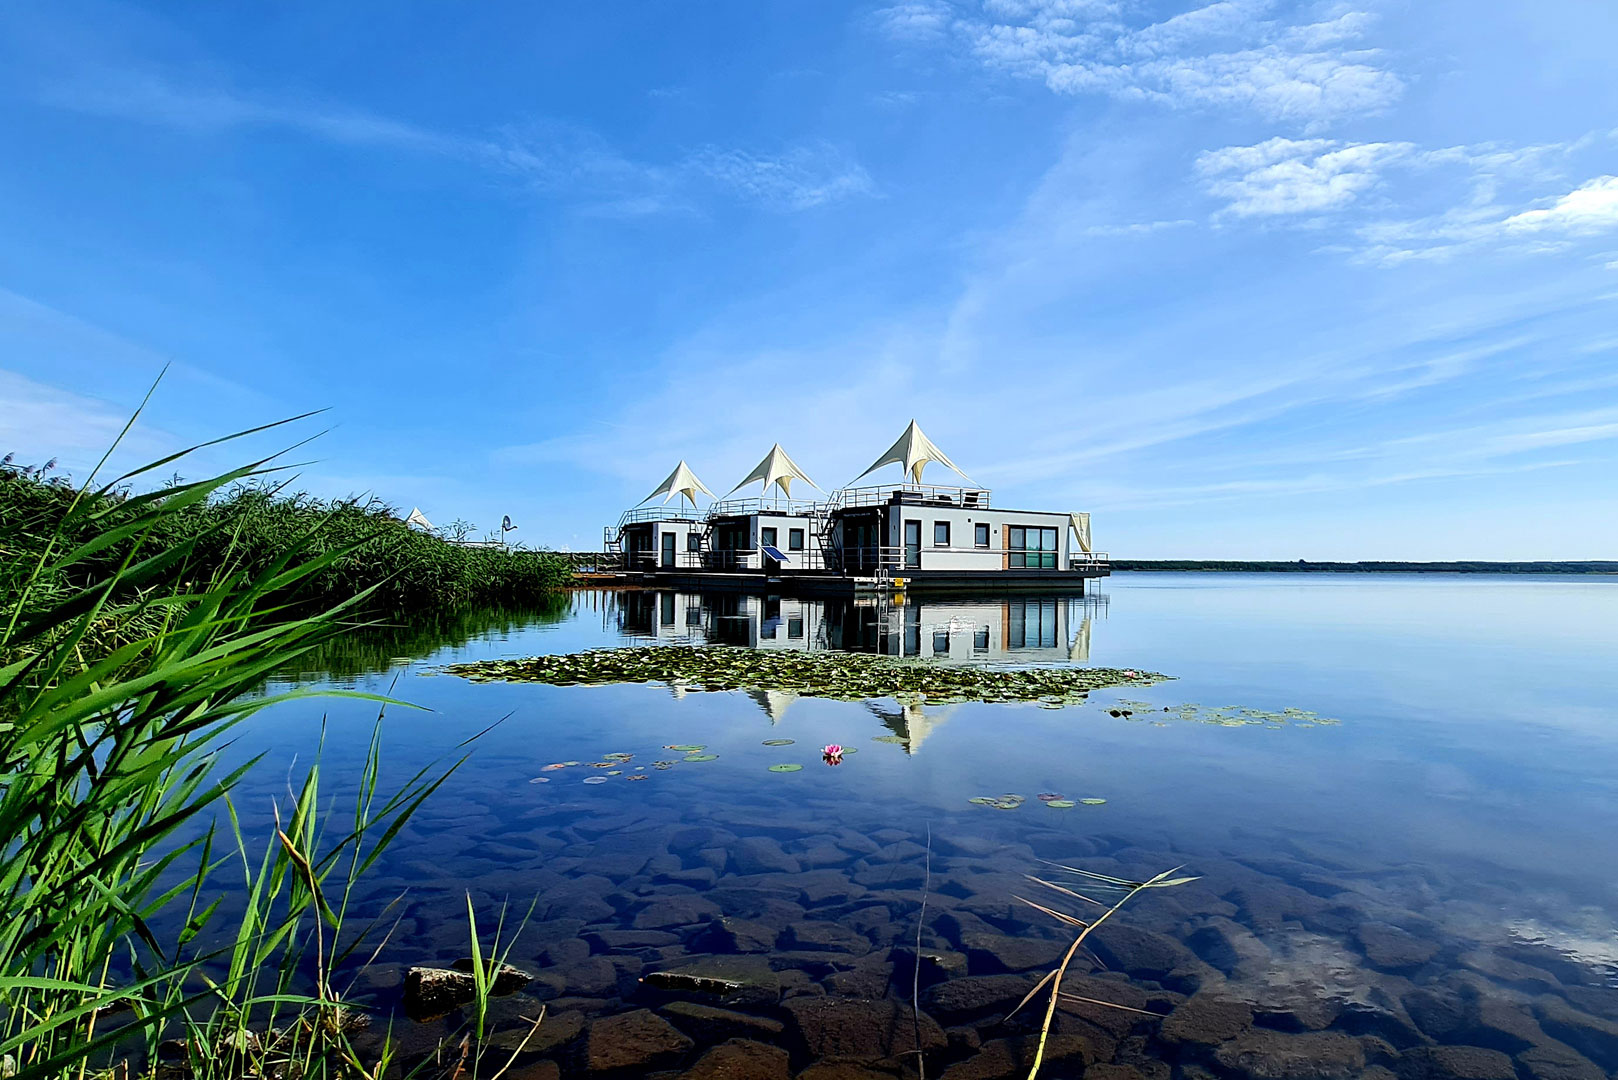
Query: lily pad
<point x="540" y="780"/>
<point x="786" y="768"/>
<point x="686" y="748"/>
<point x="701" y="757"/>
<point x="615" y="772"/>
<point x="982" y="800"/>
<point x="595" y="779"/>
<point x="637" y="776"/>
<point x="616" y="757"/>
<point x="779" y="742"/>
<point x="1060" y="804"/>
<point x="837" y="675"/>
<point x="899" y="739"/>
<point x="1093" y="802"/>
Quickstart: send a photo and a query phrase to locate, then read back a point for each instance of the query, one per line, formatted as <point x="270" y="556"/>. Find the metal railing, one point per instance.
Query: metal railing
<point x="925" y="494"/>
<point x="660" y="513"/>
<point x="756" y="505"/>
<point x="1088" y="560"/>
<point x="896" y="558"/>
<point x="724" y="560"/>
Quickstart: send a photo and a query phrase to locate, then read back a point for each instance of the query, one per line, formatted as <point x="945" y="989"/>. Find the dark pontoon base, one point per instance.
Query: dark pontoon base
<point x="827" y="583"/>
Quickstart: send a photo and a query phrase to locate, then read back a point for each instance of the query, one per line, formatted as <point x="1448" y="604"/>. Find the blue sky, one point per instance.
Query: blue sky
<point x="1244" y="279"/>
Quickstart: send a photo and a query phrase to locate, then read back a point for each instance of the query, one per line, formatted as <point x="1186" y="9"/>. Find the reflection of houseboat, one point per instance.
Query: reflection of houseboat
<point x="1022" y="628"/>
<point x="882" y="536"/>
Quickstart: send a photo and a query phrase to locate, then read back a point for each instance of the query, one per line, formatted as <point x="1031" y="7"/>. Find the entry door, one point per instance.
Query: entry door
<point x="912" y="545"/>
<point x="668" y="551"/>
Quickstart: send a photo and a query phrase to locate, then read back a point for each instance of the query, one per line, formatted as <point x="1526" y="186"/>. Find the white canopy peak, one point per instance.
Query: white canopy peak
<point x="682" y="481"/>
<point x="778" y="469"/>
<point x="914" y="450"/>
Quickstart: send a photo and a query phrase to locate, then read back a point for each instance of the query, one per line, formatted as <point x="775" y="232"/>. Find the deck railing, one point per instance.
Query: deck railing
<point x="925" y="494"/>
<point x="660" y="513"/>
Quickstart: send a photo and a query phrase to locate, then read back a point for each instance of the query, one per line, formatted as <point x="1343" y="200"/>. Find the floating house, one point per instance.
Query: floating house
<point x="873" y="534"/>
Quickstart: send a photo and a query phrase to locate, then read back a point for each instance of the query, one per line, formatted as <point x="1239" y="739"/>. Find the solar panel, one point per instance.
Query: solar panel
<point x="775" y="553"/>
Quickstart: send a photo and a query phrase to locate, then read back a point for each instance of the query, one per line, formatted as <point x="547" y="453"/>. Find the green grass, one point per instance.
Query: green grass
<point x="136" y="632"/>
<point x="251" y="520"/>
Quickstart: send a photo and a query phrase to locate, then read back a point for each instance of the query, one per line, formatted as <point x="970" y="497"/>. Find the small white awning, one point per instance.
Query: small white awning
<point x="914" y="450"/>
<point x="1081" y="530"/>
<point x="777" y="469"/>
<point x="419" y="520"/>
<point x="682" y="481"/>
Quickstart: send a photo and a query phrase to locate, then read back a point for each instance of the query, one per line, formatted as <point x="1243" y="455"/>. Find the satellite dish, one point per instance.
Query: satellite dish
<point x="505" y="524"/>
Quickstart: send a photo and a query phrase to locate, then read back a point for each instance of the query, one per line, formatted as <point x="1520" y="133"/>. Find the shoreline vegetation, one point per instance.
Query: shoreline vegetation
<point x="142" y="932"/>
<point x="836" y="675"/>
<point x="1302" y="566"/>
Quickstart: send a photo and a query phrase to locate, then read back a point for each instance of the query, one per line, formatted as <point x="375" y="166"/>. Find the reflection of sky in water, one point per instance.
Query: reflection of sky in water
<point x="1476" y="730"/>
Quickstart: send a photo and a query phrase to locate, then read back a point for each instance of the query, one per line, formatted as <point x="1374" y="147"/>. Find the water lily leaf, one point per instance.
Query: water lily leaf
<point x="595" y="779"/>
<point x="636" y="776"/>
<point x="983" y="800"/>
<point x="1048" y="796"/>
<point x="900" y="740"/>
<point x="615" y="772"/>
<point x="701" y="757"/>
<point x="786" y="768"/>
<point x="779" y="742"/>
<point x="1093" y="802"/>
<point x="1060" y="804"/>
<point x="553" y="767"/>
<point x="540" y="780"/>
<point x="616" y="757"/>
<point x="686" y="748"/>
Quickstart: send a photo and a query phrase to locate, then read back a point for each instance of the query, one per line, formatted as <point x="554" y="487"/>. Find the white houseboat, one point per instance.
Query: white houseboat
<point x="872" y="535"/>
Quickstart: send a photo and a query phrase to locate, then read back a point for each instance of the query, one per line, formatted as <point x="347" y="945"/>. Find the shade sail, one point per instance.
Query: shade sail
<point x="914" y="450"/>
<point x="1081" y="530"/>
<point x="777" y="469"/>
<point x="682" y="481"/>
<point x="419" y="520"/>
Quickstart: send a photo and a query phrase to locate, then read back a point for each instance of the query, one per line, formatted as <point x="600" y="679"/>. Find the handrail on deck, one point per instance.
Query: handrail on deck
<point x="641" y="514"/>
<point x="937" y="494"/>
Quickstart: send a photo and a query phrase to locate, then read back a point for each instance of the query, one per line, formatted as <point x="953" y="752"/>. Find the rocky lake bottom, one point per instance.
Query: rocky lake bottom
<point x="1381" y="892"/>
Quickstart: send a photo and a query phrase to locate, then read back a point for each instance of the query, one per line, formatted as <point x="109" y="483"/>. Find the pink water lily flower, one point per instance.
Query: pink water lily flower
<point x="832" y="753"/>
<point x="1129" y="674"/>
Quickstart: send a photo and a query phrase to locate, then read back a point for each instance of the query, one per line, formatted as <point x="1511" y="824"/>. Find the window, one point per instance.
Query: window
<point x="693" y="541"/>
<point x="767" y="537"/>
<point x="940" y="642"/>
<point x="1031" y="624"/>
<point x="794" y="539"/>
<point x="980" y="638"/>
<point x="940" y="534"/>
<point x="1032" y="548"/>
<point x="980" y="535"/>
<point x="795" y="627"/>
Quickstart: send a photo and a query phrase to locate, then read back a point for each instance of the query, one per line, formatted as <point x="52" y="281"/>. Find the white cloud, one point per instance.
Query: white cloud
<point x="1226" y="54"/>
<point x="1592" y="207"/>
<point x="1286" y="176"/>
<point x="801" y="178"/>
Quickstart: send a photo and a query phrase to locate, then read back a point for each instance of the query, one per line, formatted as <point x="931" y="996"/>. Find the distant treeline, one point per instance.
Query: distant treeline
<point x="1587" y="566"/>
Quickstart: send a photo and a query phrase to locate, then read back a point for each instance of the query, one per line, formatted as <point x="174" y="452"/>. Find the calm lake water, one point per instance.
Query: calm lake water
<point x="1336" y="755"/>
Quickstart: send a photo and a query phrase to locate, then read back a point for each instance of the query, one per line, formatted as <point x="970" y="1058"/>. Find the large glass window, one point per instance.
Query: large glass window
<point x="1032" y="548"/>
<point x="794" y="539"/>
<point x="767" y="537"/>
<point x="940" y="534"/>
<point x="980" y="535"/>
<point x="693" y="541"/>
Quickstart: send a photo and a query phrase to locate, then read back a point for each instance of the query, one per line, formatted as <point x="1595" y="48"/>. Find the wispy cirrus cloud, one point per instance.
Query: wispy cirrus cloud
<point x="552" y="158"/>
<point x="1290" y="176"/>
<point x="1231" y="54"/>
<point x="1496" y="195"/>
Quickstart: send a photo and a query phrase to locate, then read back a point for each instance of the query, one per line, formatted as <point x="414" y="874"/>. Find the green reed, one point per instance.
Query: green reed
<point x="136" y="632"/>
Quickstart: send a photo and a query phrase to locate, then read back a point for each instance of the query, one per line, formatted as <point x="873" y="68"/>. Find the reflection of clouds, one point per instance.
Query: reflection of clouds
<point x="774" y="702"/>
<point x="911" y="721"/>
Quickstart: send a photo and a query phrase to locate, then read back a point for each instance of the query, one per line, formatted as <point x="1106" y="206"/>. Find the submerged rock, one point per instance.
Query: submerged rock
<point x="708" y="1024"/>
<point x="1205" y="1019"/>
<point x="632" y="1043"/>
<point x="1392" y="949"/>
<point x="1275" y="1055"/>
<point x="740" y="1059"/>
<point x="732" y="979"/>
<point x="866" y="1031"/>
<point x="1455" y="1063"/>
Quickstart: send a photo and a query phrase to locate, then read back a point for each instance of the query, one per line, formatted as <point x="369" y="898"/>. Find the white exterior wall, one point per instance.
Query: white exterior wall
<point x="961" y="553"/>
<point x="681" y="530"/>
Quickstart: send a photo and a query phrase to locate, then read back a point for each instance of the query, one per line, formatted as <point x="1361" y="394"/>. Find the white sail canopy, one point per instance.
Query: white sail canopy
<point x="419" y="520"/>
<point x="1081" y="530"/>
<point x="777" y="469"/>
<point x="682" y="481"/>
<point x="914" y="450"/>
